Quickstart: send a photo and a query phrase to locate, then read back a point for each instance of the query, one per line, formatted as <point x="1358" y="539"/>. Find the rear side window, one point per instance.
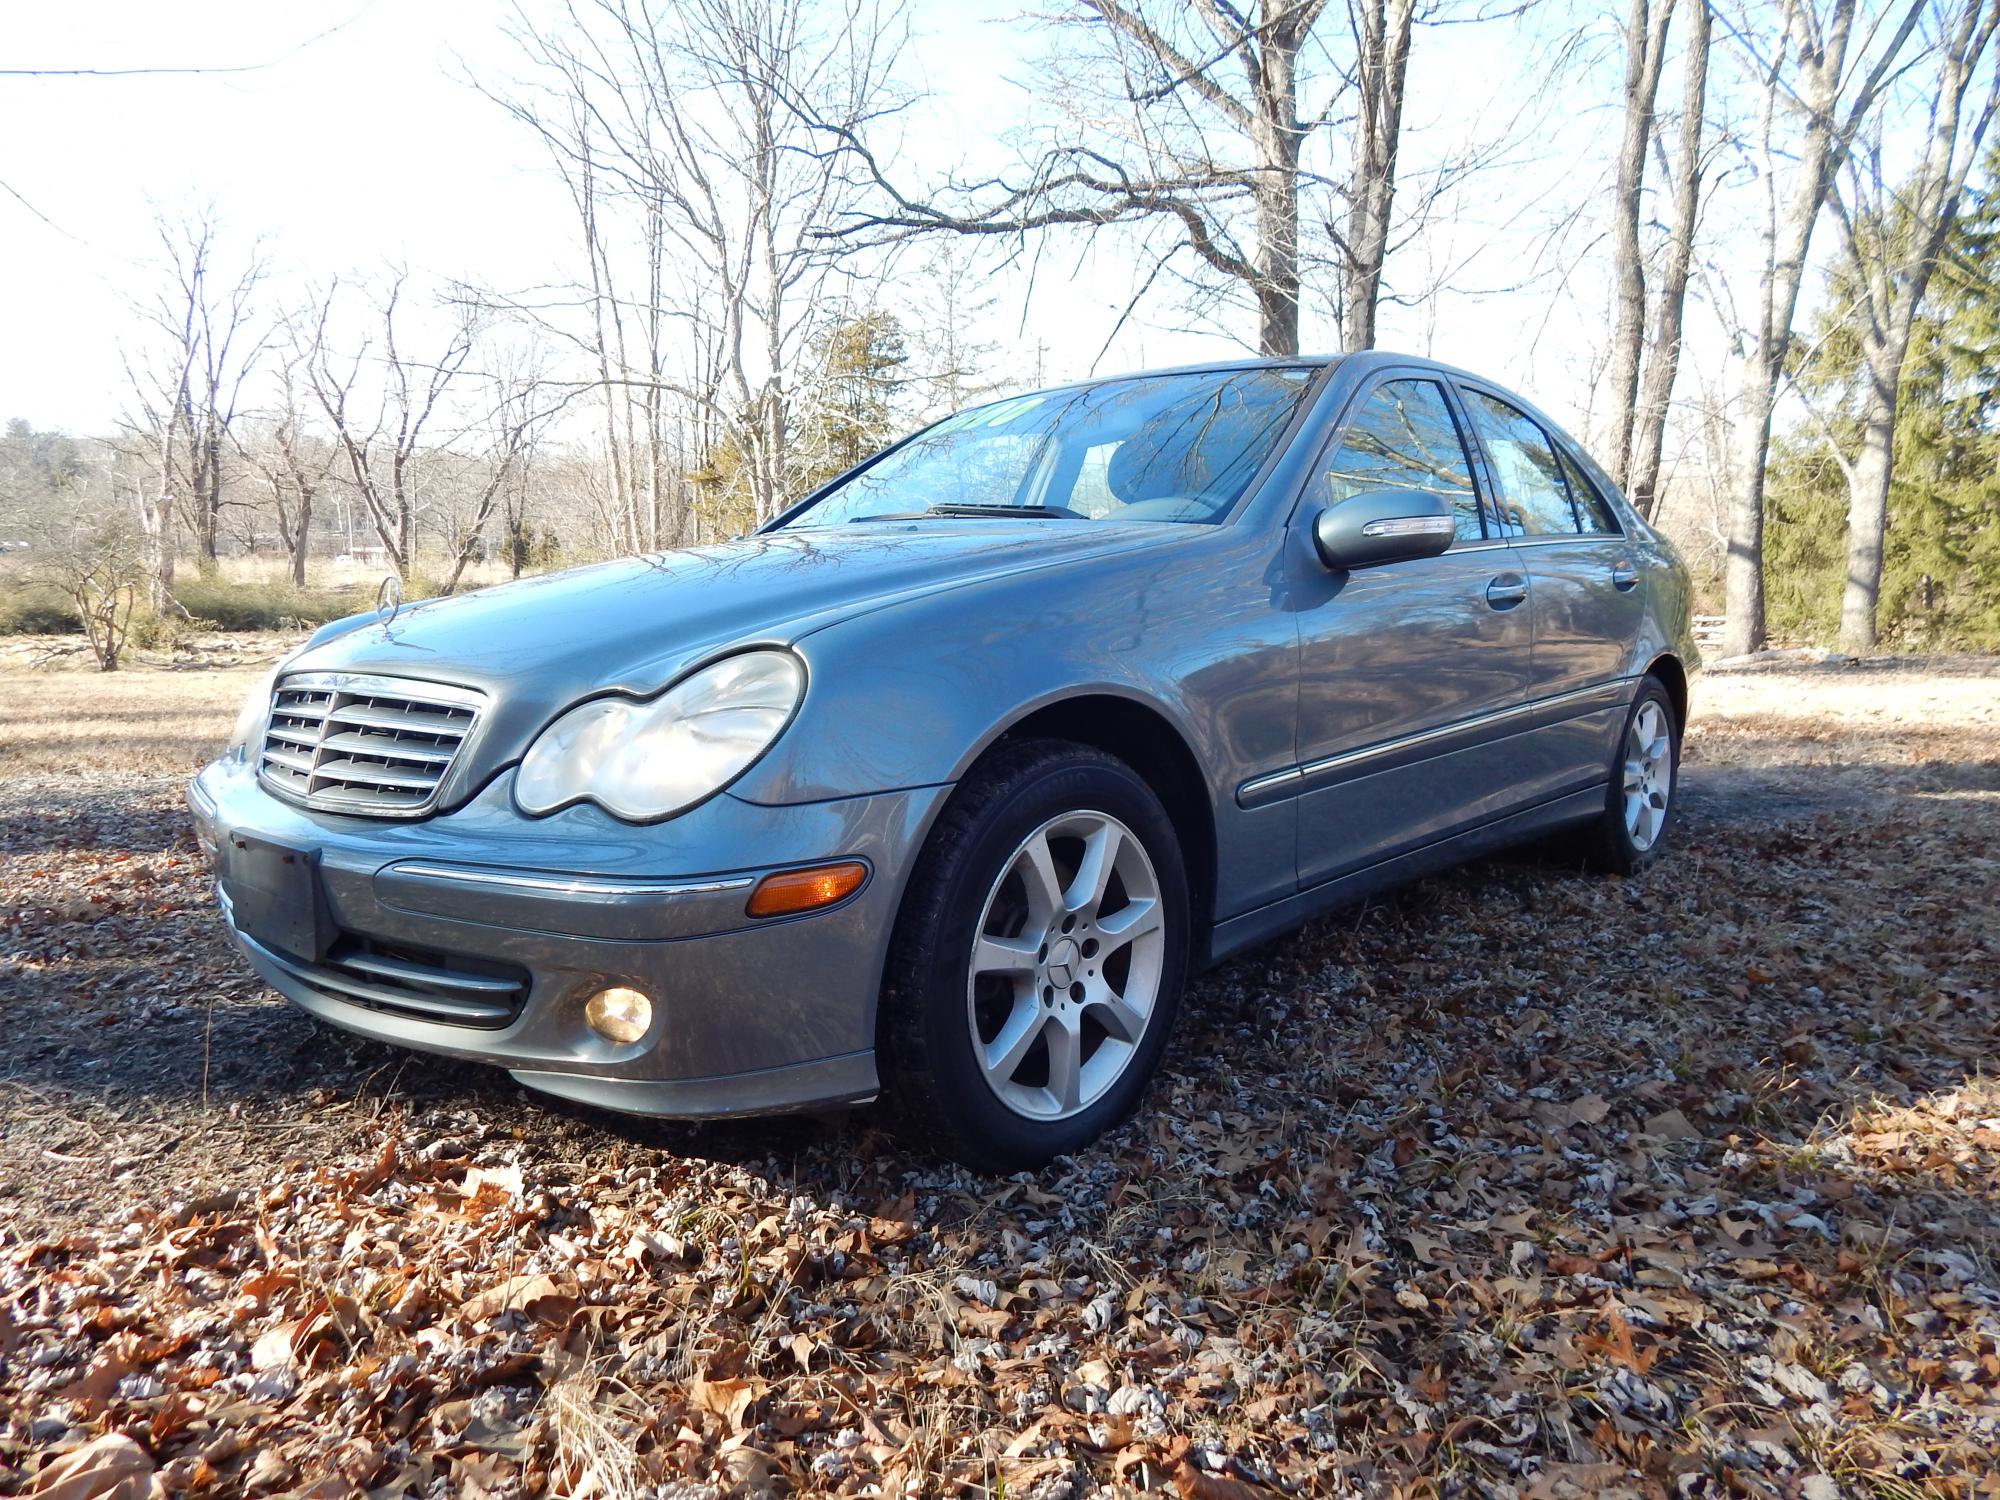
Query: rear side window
<point x="1593" y="516"/>
<point x="1403" y="437"/>
<point x="1533" y="500"/>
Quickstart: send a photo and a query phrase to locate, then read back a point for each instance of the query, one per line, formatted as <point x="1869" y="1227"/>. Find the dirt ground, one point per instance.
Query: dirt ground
<point x="1519" y="1182"/>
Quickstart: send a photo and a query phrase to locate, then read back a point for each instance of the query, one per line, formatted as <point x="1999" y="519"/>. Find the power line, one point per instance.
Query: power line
<point x="256" y="67"/>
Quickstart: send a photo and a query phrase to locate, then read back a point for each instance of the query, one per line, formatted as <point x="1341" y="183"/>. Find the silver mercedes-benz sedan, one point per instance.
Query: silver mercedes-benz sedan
<point x="937" y="786"/>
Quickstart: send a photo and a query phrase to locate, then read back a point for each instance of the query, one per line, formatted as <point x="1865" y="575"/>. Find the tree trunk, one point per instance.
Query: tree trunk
<point x="1868" y="504"/>
<point x="156" y="517"/>
<point x="1646" y="26"/>
<point x="211" y="500"/>
<point x="1275" y="136"/>
<point x="301" y="537"/>
<point x="1743" y="568"/>
<point x="1382" y="61"/>
<point x="1663" y="358"/>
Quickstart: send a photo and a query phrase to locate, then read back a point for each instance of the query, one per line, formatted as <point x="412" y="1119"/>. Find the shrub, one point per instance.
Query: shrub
<point x="35" y="609"/>
<point x="267" y="606"/>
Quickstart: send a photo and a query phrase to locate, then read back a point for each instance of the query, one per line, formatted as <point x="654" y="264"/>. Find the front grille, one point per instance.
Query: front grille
<point x="377" y="746"/>
<point x="412" y="982"/>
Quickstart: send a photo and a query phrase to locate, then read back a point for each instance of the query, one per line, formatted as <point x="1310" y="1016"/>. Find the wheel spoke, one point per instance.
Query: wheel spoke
<point x="1037" y="865"/>
<point x="1133" y="920"/>
<point x="1004" y="955"/>
<point x="1004" y="1053"/>
<point x="1065" y="1049"/>
<point x="1093" y="876"/>
<point x="1120" y="1019"/>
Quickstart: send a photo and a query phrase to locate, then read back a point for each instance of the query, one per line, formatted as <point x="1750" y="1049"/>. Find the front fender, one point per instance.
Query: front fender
<point x="912" y="695"/>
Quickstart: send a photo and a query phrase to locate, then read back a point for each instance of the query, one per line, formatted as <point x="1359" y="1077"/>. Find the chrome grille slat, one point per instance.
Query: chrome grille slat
<point x="391" y="747"/>
<point x="371" y="746"/>
<point x="370" y="716"/>
<point x="373" y="773"/>
<point x="291" y="760"/>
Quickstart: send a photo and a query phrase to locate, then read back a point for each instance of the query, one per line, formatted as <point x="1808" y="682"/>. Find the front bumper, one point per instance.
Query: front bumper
<point x="750" y="1016"/>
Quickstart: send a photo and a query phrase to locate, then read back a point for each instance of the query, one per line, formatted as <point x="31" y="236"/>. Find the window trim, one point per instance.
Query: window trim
<point x="1573" y="468"/>
<point x="1337" y="433"/>
<point x="1564" y="448"/>
<point x="1514" y="404"/>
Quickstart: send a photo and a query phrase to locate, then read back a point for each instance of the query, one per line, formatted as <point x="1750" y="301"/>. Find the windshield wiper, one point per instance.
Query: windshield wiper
<point x="977" y="512"/>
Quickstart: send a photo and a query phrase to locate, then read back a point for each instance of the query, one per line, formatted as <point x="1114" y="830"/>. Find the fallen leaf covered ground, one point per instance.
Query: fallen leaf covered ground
<point x="1520" y="1181"/>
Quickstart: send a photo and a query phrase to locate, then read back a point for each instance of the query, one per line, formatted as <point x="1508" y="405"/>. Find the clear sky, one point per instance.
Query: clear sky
<point x="359" y="142"/>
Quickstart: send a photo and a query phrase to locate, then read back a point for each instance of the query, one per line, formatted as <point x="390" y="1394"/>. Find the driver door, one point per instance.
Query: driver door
<point x="1408" y="669"/>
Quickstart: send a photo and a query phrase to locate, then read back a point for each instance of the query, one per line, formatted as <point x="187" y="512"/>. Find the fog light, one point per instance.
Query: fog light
<point x="806" y="890"/>
<point x="619" y="1014"/>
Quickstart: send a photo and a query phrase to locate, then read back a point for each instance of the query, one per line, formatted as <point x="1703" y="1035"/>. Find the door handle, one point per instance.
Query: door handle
<point x="1506" y="591"/>
<point x="1624" y="577"/>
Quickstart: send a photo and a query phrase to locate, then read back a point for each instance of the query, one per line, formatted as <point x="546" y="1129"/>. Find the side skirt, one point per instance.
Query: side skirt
<point x="1267" y="922"/>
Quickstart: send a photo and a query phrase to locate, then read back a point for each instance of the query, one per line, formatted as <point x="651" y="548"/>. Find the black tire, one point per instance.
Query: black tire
<point x="933" y="1082"/>
<point x="1610" y="844"/>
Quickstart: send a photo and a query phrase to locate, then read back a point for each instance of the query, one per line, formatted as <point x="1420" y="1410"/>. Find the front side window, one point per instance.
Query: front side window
<point x="1532" y="498"/>
<point x="1403" y="437"/>
<point x="1151" y="448"/>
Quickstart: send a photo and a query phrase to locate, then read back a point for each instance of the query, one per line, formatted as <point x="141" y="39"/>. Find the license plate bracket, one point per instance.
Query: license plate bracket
<point x="275" y="896"/>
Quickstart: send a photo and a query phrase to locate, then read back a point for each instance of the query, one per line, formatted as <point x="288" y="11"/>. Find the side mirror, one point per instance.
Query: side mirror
<point x="1383" y="526"/>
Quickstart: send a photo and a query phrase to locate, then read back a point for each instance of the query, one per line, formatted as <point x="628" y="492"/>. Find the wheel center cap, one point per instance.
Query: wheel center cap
<point x="1064" y="961"/>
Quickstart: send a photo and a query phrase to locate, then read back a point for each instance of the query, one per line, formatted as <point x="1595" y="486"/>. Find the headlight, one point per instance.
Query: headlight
<point x="642" y="761"/>
<point x="254" y="717"/>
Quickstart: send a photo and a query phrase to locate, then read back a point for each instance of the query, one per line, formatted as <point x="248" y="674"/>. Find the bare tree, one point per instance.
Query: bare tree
<point x="1647" y="23"/>
<point x="702" y="123"/>
<point x="1382" y="30"/>
<point x="187" y="385"/>
<point x="1822" y="67"/>
<point x="1195" y="121"/>
<point x="97" y="560"/>
<point x="512" y="425"/>
<point x="1891" y="237"/>
<point x="381" y="439"/>
<point x="1685" y="171"/>
<point x="294" y="463"/>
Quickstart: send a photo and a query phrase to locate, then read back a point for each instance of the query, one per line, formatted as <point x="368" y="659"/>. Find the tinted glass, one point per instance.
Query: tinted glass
<point x="1591" y="511"/>
<point x="1532" y="498"/>
<point x="1155" y="448"/>
<point x="1403" y="437"/>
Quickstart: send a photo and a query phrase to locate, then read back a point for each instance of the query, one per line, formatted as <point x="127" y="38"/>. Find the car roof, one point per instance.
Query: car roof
<point x="1360" y="362"/>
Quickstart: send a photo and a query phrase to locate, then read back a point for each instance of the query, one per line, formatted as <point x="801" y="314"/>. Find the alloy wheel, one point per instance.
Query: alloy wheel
<point x="1066" y="965"/>
<point x="1649" y="775"/>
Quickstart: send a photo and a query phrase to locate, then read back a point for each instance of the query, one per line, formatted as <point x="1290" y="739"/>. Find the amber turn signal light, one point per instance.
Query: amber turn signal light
<point x="792" y="891"/>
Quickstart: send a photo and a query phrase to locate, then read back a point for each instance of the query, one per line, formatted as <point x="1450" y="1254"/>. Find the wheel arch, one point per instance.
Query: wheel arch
<point x="1673" y="677"/>
<point x="1153" y="746"/>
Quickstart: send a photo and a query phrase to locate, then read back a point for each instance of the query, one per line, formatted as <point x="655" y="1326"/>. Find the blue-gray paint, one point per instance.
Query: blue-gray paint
<point x="1353" y="728"/>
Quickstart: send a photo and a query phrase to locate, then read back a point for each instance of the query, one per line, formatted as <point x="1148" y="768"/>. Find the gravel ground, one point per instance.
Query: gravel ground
<point x="1519" y="1181"/>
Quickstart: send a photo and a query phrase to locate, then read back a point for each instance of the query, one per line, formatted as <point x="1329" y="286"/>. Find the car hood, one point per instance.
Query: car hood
<point x="633" y="626"/>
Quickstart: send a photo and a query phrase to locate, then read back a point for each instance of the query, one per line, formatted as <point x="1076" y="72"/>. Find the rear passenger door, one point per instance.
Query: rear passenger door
<point x="1586" y="603"/>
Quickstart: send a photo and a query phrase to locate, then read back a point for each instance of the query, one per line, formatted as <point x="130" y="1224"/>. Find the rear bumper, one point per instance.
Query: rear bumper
<point x="529" y="917"/>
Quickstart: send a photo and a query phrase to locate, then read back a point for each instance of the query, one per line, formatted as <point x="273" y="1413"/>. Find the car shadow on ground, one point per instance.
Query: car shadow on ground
<point x="190" y="1045"/>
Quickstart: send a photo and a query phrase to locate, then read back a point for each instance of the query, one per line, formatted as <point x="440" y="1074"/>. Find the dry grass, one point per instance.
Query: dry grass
<point x="65" y="718"/>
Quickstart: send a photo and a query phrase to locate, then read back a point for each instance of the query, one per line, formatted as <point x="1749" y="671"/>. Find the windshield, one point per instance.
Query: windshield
<point x="1152" y="448"/>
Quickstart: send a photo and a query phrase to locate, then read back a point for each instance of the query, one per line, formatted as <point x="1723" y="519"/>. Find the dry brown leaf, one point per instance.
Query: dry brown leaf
<point x="112" y="1467"/>
<point x="549" y="1298"/>
<point x="1199" y="1484"/>
<point x="730" y="1399"/>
